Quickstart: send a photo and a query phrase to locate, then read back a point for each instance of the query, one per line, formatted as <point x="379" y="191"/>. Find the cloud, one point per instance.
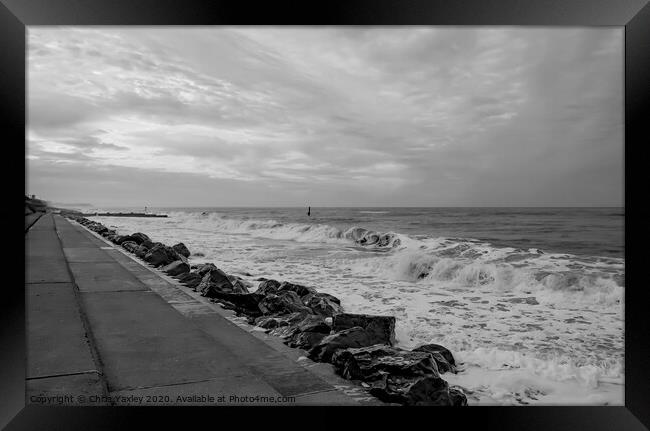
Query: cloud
<point x="345" y="116"/>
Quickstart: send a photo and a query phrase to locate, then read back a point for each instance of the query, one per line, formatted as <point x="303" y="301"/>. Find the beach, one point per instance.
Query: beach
<point x="534" y="315"/>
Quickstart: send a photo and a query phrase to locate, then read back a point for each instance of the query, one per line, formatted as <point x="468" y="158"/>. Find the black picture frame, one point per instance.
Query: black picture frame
<point x="634" y="15"/>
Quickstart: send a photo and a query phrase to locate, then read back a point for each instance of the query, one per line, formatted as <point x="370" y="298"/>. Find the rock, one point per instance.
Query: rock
<point x="244" y="303"/>
<point x="305" y="340"/>
<point x="213" y="281"/>
<point x="427" y="391"/>
<point x="287" y="324"/>
<point x="268" y="286"/>
<point x="149" y="244"/>
<point x="192" y="280"/>
<point x="119" y="239"/>
<point x="141" y="251"/>
<point x="270" y="322"/>
<point x="308" y="332"/>
<point x="300" y="290"/>
<point x="181" y="249"/>
<point x="205" y="268"/>
<point x="371" y="363"/>
<point x="283" y="303"/>
<point x="382" y="328"/>
<point x="130" y="246"/>
<point x="442" y="356"/>
<point x="160" y="255"/>
<point x="239" y="285"/>
<point x="352" y="337"/>
<point x="176" y="267"/>
<point x="323" y="304"/>
<point x="139" y="238"/>
<point x="108" y="233"/>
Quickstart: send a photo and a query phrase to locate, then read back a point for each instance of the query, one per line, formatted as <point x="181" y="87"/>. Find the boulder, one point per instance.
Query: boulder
<point x="130" y="246"/>
<point x="204" y="268"/>
<point x="352" y="337"/>
<point x="191" y="279"/>
<point x="371" y="363"/>
<point x="268" y="286"/>
<point x="141" y="251"/>
<point x="139" y="238"/>
<point x="437" y="348"/>
<point x="323" y="304"/>
<point x="181" y="249"/>
<point x="382" y="328"/>
<point x="425" y="391"/>
<point x="175" y="268"/>
<point x="283" y="303"/>
<point x="239" y="285"/>
<point x="108" y="232"/>
<point x="119" y="239"/>
<point x="308" y="332"/>
<point x="287" y="324"/>
<point x="215" y="280"/>
<point x="244" y="303"/>
<point x="300" y="290"/>
<point x="160" y="255"/>
<point x="305" y="340"/>
<point x="270" y="322"/>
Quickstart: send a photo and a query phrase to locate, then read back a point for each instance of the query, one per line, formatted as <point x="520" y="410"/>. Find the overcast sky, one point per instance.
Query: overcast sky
<point x="329" y="116"/>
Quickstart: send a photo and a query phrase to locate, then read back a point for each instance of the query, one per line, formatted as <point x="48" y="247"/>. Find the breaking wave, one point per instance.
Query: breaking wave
<point x="463" y="262"/>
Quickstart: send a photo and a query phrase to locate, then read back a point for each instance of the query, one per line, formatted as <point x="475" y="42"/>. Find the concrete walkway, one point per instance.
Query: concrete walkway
<point x="103" y="329"/>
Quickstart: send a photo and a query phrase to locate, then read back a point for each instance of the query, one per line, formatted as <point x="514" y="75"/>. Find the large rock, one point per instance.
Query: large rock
<point x="239" y="285"/>
<point x="371" y="363"/>
<point x="181" y="249"/>
<point x="244" y="303"/>
<point x="160" y="255"/>
<point x="352" y="337"/>
<point x="420" y="391"/>
<point x="323" y="304"/>
<point x="140" y="238"/>
<point x="300" y="290"/>
<point x="119" y="239"/>
<point x="191" y="279"/>
<point x="130" y="246"/>
<point x="268" y="286"/>
<point x="204" y="268"/>
<point x="286" y="323"/>
<point x="382" y="328"/>
<point x="141" y="251"/>
<point x="175" y="268"/>
<point x="283" y="303"/>
<point x="441" y="355"/>
<point x="213" y="281"/>
<point x="308" y="332"/>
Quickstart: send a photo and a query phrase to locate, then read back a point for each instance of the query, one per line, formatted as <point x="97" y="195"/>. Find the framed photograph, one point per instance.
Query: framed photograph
<point x="377" y="205"/>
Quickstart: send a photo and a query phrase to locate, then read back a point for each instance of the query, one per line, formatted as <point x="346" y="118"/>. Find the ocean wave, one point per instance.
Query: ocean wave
<point x="463" y="266"/>
<point x="301" y="232"/>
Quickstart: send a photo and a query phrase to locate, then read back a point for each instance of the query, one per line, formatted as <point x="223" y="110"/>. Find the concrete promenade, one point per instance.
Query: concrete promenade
<point x="104" y="329"/>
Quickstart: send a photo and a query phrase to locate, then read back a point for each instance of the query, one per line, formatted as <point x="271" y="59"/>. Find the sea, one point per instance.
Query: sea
<point x="529" y="300"/>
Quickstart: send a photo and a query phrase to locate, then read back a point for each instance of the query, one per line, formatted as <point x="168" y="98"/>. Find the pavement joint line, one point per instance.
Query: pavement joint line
<point x="77" y="373"/>
<point x="94" y="352"/>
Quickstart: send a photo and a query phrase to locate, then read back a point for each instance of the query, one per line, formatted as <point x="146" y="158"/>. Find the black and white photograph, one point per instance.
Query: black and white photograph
<point x="325" y="215"/>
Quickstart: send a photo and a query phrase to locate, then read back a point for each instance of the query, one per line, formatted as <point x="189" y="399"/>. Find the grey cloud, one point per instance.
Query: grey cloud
<point x="389" y="116"/>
